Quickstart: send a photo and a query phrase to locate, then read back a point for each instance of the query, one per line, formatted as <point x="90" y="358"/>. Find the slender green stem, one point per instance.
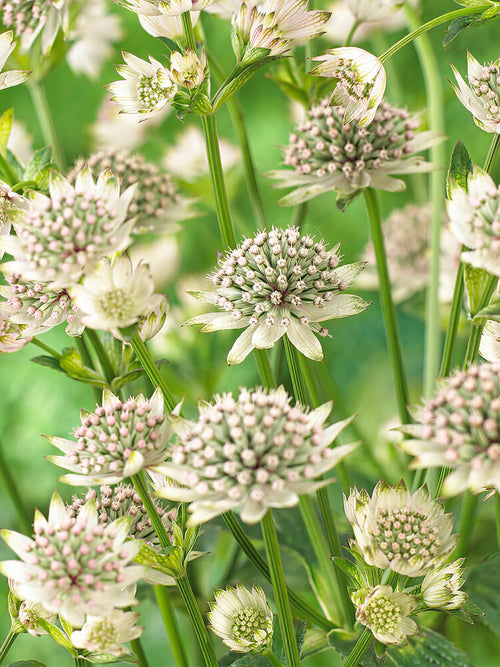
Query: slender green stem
<point x="104" y="362"/>
<point x="360" y="648"/>
<point x="87" y="361"/>
<point x="171" y="625"/>
<point x="477" y="329"/>
<point x="139" y="653"/>
<point x="299" y="214"/>
<point x="200" y="628"/>
<point x="280" y="589"/>
<point x="467" y="514"/>
<point x="8" y="641"/>
<point x="7" y="171"/>
<point x="298" y="384"/>
<point x="272" y="658"/>
<point x="492" y="151"/>
<point x="388" y="310"/>
<point x="157" y="380"/>
<point x="43" y="113"/>
<point x="140" y="486"/>
<point x="497" y="517"/>
<point x="13" y="492"/>
<point x="79" y="662"/>
<point x="264" y="368"/>
<point x="187" y="26"/>
<point x="46" y="348"/>
<point x="350" y="35"/>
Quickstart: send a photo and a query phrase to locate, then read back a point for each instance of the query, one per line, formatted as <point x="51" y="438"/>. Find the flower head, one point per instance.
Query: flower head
<point x="65" y="235"/>
<point x="408" y="532"/>
<point x="108" y="634"/>
<point x="73" y="566"/>
<point x="361" y="82"/>
<point x="165" y="25"/>
<point x="188" y="70"/>
<point x="279" y="283"/>
<point x="28" y="614"/>
<point x="482" y="96"/>
<point x="147" y="87"/>
<point x="159" y="7"/>
<point x="386" y="613"/>
<point x="115" y="441"/>
<point x="30" y="18"/>
<point x="441" y="587"/>
<point x="459" y="429"/>
<point x="252" y="452"/>
<point x="242" y="619"/>
<point x="10" y="335"/>
<point x="12" y="77"/>
<point x="329" y="154"/>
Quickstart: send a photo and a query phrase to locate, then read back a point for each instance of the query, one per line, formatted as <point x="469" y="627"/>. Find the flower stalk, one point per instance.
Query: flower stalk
<point x="360" y="648"/>
<point x="7" y="643"/>
<point x="13" y="492"/>
<point x="36" y="89"/>
<point x="157" y="380"/>
<point x="171" y="626"/>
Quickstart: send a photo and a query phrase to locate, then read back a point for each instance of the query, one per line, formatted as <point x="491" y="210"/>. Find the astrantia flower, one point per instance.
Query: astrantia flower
<point x="29" y="614"/>
<point x="252" y="452"/>
<point x="242" y="619"/>
<point x="408" y="532"/>
<point x="9" y="200"/>
<point x="12" y="77"/>
<point x="165" y="25"/>
<point x="329" y="154"/>
<point x="29" y="18"/>
<point x="373" y="10"/>
<point x="108" y="634"/>
<point x="386" y="613"/>
<point x="279" y="283"/>
<point x="115" y="441"/>
<point x="441" y="587"/>
<point x="10" y="335"/>
<point x="489" y="347"/>
<point x="65" y="235"/>
<point x="373" y="16"/>
<point x="188" y="70"/>
<point x="147" y="87"/>
<point x="475" y="220"/>
<point x="482" y="96"/>
<point x="74" y="567"/>
<point x="361" y="82"/>
<point x="459" y="429"/>
<point x="158" y="7"/>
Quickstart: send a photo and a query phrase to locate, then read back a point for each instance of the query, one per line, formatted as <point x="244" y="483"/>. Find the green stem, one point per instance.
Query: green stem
<point x="43" y="113"/>
<point x="171" y="625"/>
<point x="388" y="310"/>
<point x="138" y="650"/>
<point x="264" y="368"/>
<point x="298" y="384"/>
<point x="492" y="151"/>
<point x="299" y="214"/>
<point x="272" y="658"/>
<point x="497" y="517"/>
<point x="157" y="380"/>
<point x="360" y="648"/>
<point x="8" y="641"/>
<point x="280" y="589"/>
<point x="350" y="36"/>
<point x="477" y="329"/>
<point x="7" y="171"/>
<point x="187" y="26"/>
<point x="87" y="361"/>
<point x="79" y="662"/>
<point x="141" y="487"/>
<point x="104" y="362"/>
<point x="46" y="348"/>
<point x="14" y="495"/>
<point x="467" y="514"/>
<point x="200" y="628"/>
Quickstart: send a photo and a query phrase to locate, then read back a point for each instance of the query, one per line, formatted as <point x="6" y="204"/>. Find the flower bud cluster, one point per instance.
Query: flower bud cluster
<point x="386" y="613"/>
<point x="482" y="96"/>
<point x="28" y="18"/>
<point x="11" y="339"/>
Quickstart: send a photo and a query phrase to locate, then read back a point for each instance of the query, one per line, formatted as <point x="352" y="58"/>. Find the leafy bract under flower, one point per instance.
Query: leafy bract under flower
<point x="482" y="96"/>
<point x="386" y="613"/>
<point x="250" y="453"/>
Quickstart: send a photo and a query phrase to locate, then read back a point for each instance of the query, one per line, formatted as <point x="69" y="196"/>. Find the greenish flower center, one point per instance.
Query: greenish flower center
<point x="116" y="303"/>
<point x="248" y="623"/>
<point x="103" y="634"/>
<point x="150" y="91"/>
<point x="382" y="614"/>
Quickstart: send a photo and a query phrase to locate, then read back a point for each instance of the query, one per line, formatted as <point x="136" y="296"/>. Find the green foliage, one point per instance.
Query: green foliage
<point x="483" y="587"/>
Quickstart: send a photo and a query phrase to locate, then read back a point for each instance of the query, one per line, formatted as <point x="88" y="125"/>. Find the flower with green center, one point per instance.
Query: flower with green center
<point x="115" y="441"/>
<point x="30" y="18"/>
<point x="386" y="613"/>
<point x="279" y="283"/>
<point x="74" y="566"/>
<point x="440" y="588"/>
<point x="459" y="429"/>
<point x="482" y="96"/>
<point x="242" y="619"/>
<point x="108" y="634"/>
<point x="408" y="532"/>
<point x="250" y="453"/>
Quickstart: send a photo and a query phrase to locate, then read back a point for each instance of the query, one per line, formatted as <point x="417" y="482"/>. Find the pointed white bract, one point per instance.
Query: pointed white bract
<point x="11" y="339"/>
<point x="329" y="154"/>
<point x="74" y="566"/>
<point x="386" y="613"/>
<point x="30" y="18"/>
<point x="248" y="454"/>
<point x="164" y="25"/>
<point x="29" y="614"/>
<point x="279" y="283"/>
<point x="489" y="347"/>
<point x="9" y="201"/>
<point x="361" y="82"/>
<point x="188" y="70"/>
<point x="108" y="634"/>
<point x="115" y="441"/>
<point x="11" y="77"/>
<point x="159" y="7"/>
<point x="440" y="588"/>
<point x="459" y="429"/>
<point x="242" y="618"/>
<point x="408" y="532"/>
<point x="482" y="96"/>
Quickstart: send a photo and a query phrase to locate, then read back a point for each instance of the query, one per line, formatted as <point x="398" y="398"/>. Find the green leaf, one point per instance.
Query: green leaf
<point x="315" y="641"/>
<point x="483" y="587"/>
<point x="49" y="362"/>
<point x="427" y="649"/>
<point x="122" y="380"/>
<point x="238" y="79"/>
<point x="57" y="634"/>
<point x="234" y="659"/>
<point x="476" y="281"/>
<point x="278" y="647"/>
<point x="459" y="169"/>
<point x="72" y="364"/>
<point x="459" y="25"/>
<point x="491" y="312"/>
<point x="173" y="564"/>
<point x="5" y="127"/>
<point x="27" y="663"/>
<point x="41" y="159"/>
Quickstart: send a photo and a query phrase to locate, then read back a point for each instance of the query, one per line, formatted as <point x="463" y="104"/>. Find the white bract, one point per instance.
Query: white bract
<point x="164" y="25"/>
<point x="489" y="347"/>
<point x="482" y="96"/>
<point x="440" y="588"/>
<point x="108" y="634"/>
<point x="386" y="613"/>
<point x="10" y="335"/>
<point x="12" y="77"/>
<point x="159" y="7"/>
<point x="9" y="200"/>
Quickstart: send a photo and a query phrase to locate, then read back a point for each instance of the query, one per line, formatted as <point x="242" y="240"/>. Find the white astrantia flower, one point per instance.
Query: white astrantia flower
<point x="74" y="566"/>
<point x="92" y="35"/>
<point x="226" y="8"/>
<point x="108" y="634"/>
<point x="329" y="154"/>
<point x="489" y="347"/>
<point x="482" y="96"/>
<point x="250" y="453"/>
<point x="116" y="295"/>
<point x="29" y="614"/>
<point x="408" y="532"/>
<point x="373" y="10"/>
<point x="361" y="82"/>
<point x="242" y="618"/>
<point x="188" y="70"/>
<point x="386" y="613"/>
<point x="159" y="7"/>
<point x="65" y="235"/>
<point x="11" y="77"/>
<point x="30" y="18"/>
<point x="459" y="429"/>
<point x="146" y="88"/>
<point x="276" y="284"/>
<point x="164" y="25"/>
<point x="475" y="220"/>
<point x="11" y="339"/>
<point x="115" y="441"/>
<point x="440" y="589"/>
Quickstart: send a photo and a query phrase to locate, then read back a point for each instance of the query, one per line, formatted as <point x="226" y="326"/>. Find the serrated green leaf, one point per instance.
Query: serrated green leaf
<point x="476" y="281"/>
<point x="427" y="649"/>
<point x="41" y="159"/>
<point x="234" y="659"/>
<point x="57" y="634"/>
<point x="107" y="658"/>
<point x="5" y="127"/>
<point x="238" y="79"/>
<point x="173" y="564"/>
<point x="459" y="25"/>
<point x="483" y="587"/>
<point x="27" y="663"/>
<point x="459" y="169"/>
<point x="343" y="645"/>
<point x="49" y="362"/>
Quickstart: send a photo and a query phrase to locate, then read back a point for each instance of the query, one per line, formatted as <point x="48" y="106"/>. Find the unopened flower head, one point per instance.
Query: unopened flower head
<point x="65" y="235"/>
<point x="440" y="588"/>
<point x="159" y="7"/>
<point x="108" y="634"/>
<point x="489" y="347"/>
<point x="11" y="339"/>
<point x="408" y="532"/>
<point x="329" y="154"/>
<point x="11" y="77"/>
<point x="242" y="619"/>
<point x="73" y="566"/>
<point x="147" y="87"/>
<point x="251" y="452"/>
<point x="115" y="441"/>
<point x="475" y="220"/>
<point x="386" y="613"/>
<point x="482" y="96"/>
<point x="361" y="82"/>
<point x="459" y="429"/>
<point x="188" y="70"/>
<point x="279" y="283"/>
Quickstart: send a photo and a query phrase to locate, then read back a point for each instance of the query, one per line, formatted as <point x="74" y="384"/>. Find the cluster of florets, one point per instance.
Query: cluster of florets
<point x="386" y="613"/>
<point x="482" y="96"/>
<point x="11" y="339"/>
<point x="459" y="429"/>
<point x="27" y="18"/>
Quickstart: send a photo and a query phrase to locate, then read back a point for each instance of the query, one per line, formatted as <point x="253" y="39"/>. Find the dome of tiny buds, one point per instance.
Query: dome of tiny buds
<point x="27" y="18"/>
<point x="115" y="441"/>
<point x="280" y="283"/>
<point x="251" y="452"/>
<point x="459" y="429"/>
<point x="382" y="614"/>
<point x="385" y="613"/>
<point x="482" y="96"/>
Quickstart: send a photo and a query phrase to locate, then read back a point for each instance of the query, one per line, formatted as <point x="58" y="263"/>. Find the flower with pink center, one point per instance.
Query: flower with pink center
<point x="30" y="18"/>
